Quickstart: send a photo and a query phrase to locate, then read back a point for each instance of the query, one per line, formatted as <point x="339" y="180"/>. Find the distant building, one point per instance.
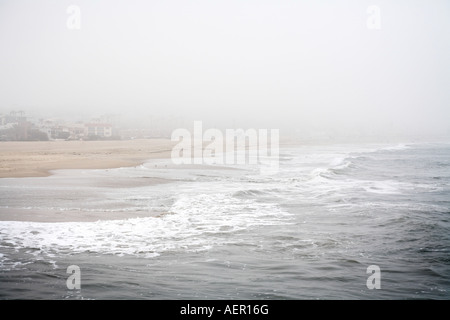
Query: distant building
<point x="57" y="129"/>
<point x="53" y="128"/>
<point x="76" y="130"/>
<point x="102" y="130"/>
<point x="15" y="127"/>
<point x="12" y="118"/>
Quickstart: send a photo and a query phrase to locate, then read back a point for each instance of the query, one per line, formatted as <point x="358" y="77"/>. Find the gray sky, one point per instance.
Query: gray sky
<point x="277" y="63"/>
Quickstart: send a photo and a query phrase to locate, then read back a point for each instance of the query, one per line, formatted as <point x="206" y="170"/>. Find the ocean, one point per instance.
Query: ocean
<point x="309" y="231"/>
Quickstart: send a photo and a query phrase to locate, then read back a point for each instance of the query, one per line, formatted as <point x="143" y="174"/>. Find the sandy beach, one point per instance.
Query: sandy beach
<point x="38" y="158"/>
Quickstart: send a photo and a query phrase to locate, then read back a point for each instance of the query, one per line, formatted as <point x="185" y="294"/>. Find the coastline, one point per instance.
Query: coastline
<point x="38" y="158"/>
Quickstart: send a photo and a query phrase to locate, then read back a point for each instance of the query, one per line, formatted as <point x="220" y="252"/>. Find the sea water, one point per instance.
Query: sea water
<point x="309" y="231"/>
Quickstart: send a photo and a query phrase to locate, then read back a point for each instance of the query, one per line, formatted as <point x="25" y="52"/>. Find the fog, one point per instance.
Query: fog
<point x="304" y="66"/>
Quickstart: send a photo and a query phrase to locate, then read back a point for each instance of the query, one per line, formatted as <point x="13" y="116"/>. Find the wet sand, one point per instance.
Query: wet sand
<point x="38" y="158"/>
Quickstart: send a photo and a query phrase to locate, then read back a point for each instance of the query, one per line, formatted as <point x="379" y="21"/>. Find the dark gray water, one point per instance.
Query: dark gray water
<point x="310" y="231"/>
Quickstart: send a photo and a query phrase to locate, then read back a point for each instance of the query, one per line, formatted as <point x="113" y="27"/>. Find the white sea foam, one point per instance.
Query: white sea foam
<point x="382" y="187"/>
<point x="192" y="217"/>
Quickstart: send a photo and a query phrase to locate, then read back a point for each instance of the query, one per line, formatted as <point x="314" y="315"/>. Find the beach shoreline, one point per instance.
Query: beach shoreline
<point x="43" y="158"/>
<point x="19" y="159"/>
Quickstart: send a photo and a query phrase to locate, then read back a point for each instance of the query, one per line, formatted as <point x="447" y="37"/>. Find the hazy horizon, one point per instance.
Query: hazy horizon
<point x="275" y="64"/>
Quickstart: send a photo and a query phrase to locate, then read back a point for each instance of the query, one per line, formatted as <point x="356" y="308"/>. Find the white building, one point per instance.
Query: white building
<point x="103" y="130"/>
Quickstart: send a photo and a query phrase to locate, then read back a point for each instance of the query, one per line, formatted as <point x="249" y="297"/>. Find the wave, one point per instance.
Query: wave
<point x="248" y="193"/>
<point x="337" y="166"/>
<point x="340" y="164"/>
<point x="400" y="146"/>
<point x="195" y="223"/>
<point x="383" y="187"/>
<point x="396" y="147"/>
